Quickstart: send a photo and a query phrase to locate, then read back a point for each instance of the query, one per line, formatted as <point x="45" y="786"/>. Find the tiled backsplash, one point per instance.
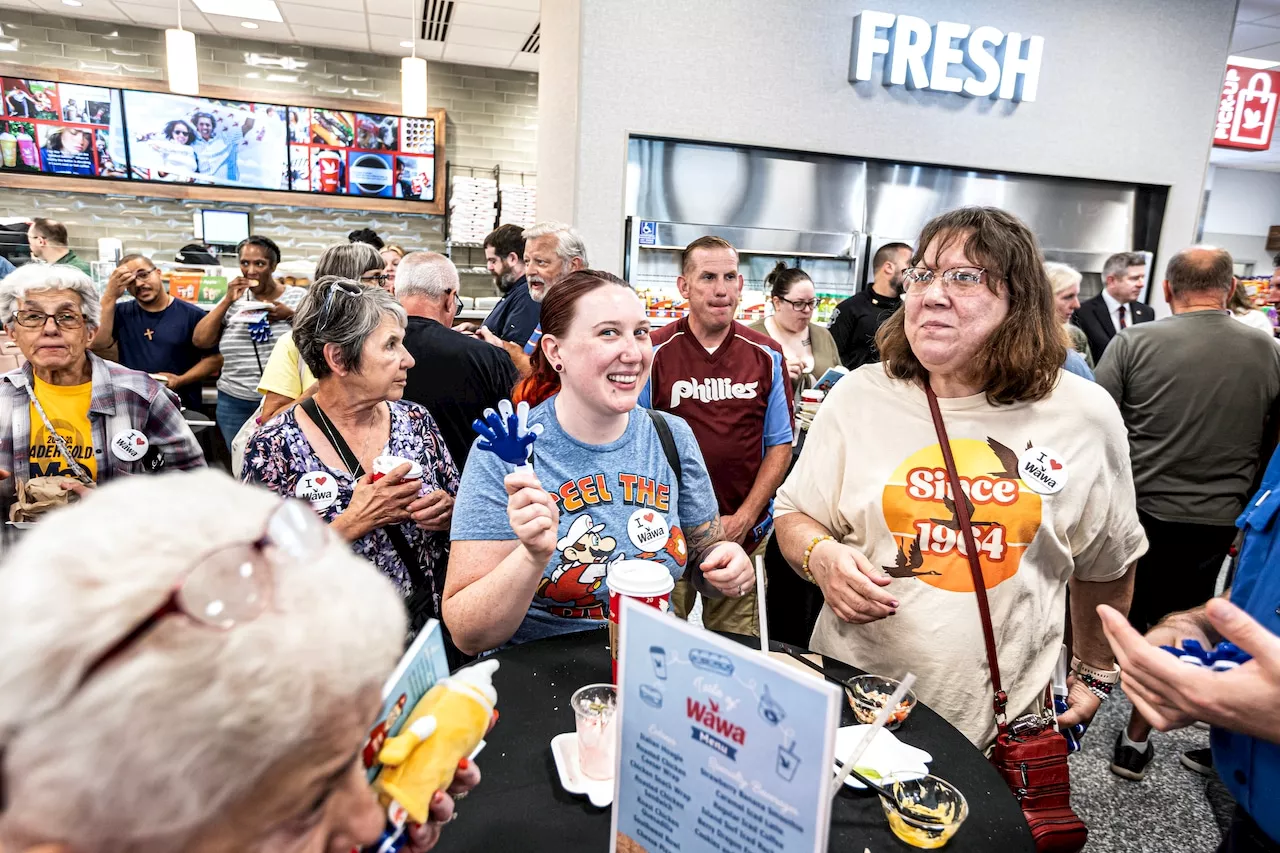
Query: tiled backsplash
<point x="491" y="120"/>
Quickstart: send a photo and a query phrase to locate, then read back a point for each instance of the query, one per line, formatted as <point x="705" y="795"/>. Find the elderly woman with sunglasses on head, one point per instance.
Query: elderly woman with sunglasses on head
<point x="971" y="389"/>
<point x="202" y="686"/>
<point x="323" y="450"/>
<point x="68" y="412"/>
<point x="286" y="377"/>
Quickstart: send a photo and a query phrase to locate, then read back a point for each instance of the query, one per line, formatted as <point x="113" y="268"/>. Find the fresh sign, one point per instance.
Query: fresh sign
<point x="1001" y="65"/>
<point x="1247" y="109"/>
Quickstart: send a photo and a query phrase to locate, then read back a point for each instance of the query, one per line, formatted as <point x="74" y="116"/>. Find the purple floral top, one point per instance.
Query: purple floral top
<point x="279" y="454"/>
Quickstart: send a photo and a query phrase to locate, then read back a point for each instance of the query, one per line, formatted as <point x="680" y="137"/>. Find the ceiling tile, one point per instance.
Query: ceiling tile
<point x="525" y="62"/>
<point x="1248" y="36"/>
<point x="527" y="5"/>
<point x="329" y="19"/>
<point x="25" y="5"/>
<point x="493" y="39"/>
<point x="1254" y="10"/>
<point x="165" y="16"/>
<point x="267" y="30"/>
<point x="342" y="39"/>
<point x="1270" y="53"/>
<point x="1272" y="20"/>
<point x="389" y="25"/>
<point x="478" y="55"/>
<point x="494" y="18"/>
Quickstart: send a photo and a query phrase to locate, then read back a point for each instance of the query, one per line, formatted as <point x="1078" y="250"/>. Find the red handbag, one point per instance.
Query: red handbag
<point x="1032" y="761"/>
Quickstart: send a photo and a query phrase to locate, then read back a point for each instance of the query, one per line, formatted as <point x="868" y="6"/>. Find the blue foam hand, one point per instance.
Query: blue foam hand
<point x="1222" y="657"/>
<point x="507" y="433"/>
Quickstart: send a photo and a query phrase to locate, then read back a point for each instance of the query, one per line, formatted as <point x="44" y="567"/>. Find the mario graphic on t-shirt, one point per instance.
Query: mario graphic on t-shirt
<point x="584" y="559"/>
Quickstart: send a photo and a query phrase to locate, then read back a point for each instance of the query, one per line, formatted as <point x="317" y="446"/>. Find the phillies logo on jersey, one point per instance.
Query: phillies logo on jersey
<point x="711" y="390"/>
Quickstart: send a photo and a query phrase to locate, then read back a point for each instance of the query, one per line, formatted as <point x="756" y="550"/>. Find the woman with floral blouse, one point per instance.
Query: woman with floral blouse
<point x="323" y="450"/>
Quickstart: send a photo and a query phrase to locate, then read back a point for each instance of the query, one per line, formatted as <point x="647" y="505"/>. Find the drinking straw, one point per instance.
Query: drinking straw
<point x="764" y="618"/>
<point x="865" y="741"/>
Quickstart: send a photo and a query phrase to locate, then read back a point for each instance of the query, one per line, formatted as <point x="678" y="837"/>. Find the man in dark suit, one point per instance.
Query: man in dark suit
<point x="1117" y="307"/>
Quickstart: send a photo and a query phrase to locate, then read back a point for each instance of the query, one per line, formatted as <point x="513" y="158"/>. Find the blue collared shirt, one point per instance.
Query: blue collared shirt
<point x="1249" y="767"/>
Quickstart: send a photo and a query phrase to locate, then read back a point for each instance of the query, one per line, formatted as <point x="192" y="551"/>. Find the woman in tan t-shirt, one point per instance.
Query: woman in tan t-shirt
<point x="868" y="514"/>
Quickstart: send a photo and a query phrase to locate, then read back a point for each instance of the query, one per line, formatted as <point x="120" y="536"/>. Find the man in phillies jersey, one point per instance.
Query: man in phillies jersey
<point x="730" y="385"/>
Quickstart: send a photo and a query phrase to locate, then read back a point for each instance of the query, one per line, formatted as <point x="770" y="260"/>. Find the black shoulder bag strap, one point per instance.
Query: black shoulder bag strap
<point x="394" y="533"/>
<point x="668" y="442"/>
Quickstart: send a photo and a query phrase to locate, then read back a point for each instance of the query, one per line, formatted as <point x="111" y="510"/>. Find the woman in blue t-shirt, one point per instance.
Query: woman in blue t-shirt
<point x="531" y="551"/>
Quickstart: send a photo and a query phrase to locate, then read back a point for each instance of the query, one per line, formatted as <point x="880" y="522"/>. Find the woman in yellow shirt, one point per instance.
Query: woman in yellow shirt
<point x="285" y="377"/>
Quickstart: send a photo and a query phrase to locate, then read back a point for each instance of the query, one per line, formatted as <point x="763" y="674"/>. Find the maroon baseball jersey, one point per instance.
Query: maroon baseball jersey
<point x="737" y="401"/>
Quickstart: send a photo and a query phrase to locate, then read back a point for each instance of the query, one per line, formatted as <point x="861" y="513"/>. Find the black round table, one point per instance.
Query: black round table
<point x="519" y="807"/>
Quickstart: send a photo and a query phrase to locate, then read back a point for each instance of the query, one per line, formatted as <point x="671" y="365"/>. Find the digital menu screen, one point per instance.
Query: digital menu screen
<point x="61" y="129"/>
<point x="190" y="140"/>
<point x="89" y="131"/>
<point x="361" y="154"/>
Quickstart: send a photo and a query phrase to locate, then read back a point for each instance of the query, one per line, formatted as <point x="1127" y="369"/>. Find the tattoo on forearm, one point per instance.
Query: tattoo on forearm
<point x="702" y="539"/>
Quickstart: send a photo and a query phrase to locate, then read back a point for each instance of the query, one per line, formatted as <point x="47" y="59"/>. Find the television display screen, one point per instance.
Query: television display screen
<point x="224" y="227"/>
<point x="190" y="140"/>
<point x="338" y="152"/>
<point x="61" y="129"/>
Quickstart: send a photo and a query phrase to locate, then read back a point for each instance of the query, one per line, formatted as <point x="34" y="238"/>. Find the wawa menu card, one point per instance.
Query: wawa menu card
<point x="722" y="750"/>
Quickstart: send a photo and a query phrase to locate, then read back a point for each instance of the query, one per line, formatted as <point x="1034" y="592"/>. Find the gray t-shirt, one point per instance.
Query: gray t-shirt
<point x="618" y="501"/>
<point x="243" y="357"/>
<point x="1195" y="391"/>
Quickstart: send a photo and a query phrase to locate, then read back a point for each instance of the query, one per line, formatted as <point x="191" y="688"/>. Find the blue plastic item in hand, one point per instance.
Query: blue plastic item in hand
<point x="1222" y="657"/>
<point x="507" y="433"/>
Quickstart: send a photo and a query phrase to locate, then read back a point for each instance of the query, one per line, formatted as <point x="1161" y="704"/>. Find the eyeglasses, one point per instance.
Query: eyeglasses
<point x="960" y="280"/>
<point x="228" y="586"/>
<point x="377" y="279"/>
<point x="800" y="304"/>
<point x="340" y="286"/>
<point x="37" y="319"/>
<point x="457" y="299"/>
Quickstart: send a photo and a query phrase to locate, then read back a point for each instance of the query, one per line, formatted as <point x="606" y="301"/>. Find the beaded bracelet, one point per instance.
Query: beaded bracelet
<point x="808" y="552"/>
<point x="1097" y="687"/>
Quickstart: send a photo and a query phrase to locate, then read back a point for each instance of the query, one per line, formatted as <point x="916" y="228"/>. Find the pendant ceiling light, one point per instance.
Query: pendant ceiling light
<point x="180" y="56"/>
<point x="413" y="74"/>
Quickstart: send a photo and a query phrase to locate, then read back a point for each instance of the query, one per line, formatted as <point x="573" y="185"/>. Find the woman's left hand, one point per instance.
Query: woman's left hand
<point x="279" y="311"/>
<point x="728" y="568"/>
<point x="433" y="511"/>
<point x="1082" y="704"/>
<point x="424" y="837"/>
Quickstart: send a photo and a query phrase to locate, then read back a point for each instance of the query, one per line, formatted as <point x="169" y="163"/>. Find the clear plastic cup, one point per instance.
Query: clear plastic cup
<point x="595" y="714"/>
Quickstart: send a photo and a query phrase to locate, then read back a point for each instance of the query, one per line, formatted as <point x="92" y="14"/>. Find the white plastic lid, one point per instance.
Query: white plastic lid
<point x="812" y="396"/>
<point x="387" y="464"/>
<point x="479" y="679"/>
<point x="639" y="578"/>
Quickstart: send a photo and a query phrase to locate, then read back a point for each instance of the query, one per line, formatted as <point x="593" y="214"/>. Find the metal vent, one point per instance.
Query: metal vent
<point x="436" y="15"/>
<point x="534" y="41"/>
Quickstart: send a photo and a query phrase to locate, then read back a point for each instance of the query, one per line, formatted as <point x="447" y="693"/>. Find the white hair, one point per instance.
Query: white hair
<point x="425" y="274"/>
<point x="569" y="243"/>
<point x="37" y="278"/>
<point x="1061" y="276"/>
<point x="157" y="746"/>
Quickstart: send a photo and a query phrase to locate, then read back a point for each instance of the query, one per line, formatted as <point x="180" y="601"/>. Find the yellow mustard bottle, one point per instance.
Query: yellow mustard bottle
<point x="446" y="726"/>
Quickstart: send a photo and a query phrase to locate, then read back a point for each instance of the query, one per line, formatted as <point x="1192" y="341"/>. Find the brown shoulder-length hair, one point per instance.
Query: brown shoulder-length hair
<point x="1021" y="359"/>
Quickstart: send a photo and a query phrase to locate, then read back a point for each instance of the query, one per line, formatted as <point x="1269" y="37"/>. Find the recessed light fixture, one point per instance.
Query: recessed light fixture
<point x="1242" y="61"/>
<point x="249" y="25"/>
<point x="254" y="10"/>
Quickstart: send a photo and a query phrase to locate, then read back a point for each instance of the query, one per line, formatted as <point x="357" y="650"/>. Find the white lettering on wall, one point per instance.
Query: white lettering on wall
<point x="1001" y="65"/>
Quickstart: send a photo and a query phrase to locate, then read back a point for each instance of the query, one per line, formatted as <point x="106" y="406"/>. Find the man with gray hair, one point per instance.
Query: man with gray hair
<point x="1198" y="392"/>
<point x="455" y="376"/>
<point x="1117" y="307"/>
<point x="552" y="250"/>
